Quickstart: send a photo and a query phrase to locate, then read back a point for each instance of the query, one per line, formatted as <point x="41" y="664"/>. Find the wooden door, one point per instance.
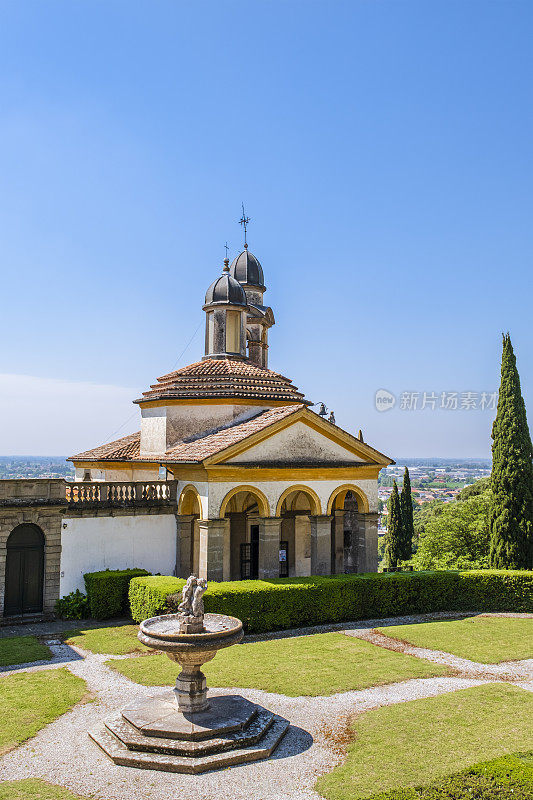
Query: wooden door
<point x="24" y="571"/>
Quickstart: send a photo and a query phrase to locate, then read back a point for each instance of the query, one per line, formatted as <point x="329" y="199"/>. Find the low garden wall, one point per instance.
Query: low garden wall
<point x="296" y="602"/>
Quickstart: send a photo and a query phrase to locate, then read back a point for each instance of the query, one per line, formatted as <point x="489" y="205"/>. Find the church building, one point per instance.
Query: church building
<point x="231" y="476"/>
<point x="266" y="487"/>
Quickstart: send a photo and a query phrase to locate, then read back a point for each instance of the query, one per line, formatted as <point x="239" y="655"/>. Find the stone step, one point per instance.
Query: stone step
<point x="159" y="716"/>
<point x="119" y="753"/>
<point x="137" y="741"/>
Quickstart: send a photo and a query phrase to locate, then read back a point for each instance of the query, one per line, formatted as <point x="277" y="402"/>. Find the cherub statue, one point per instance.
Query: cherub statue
<point x="185" y="607"/>
<point x="198" y="599"/>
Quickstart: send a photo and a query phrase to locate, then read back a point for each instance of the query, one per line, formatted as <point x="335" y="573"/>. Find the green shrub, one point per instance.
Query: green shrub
<point x="295" y="602"/>
<point x="73" y="606"/>
<point x="506" y="778"/>
<point x="107" y="591"/>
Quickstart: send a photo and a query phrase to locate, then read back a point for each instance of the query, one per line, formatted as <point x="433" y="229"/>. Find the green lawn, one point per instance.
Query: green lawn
<point x="487" y="640"/>
<point x="21" y="649"/>
<point x="505" y="778"/>
<point x="117" y="640"/>
<point x="319" y="664"/>
<point x="34" y="789"/>
<point x="29" y="701"/>
<point x="416" y="743"/>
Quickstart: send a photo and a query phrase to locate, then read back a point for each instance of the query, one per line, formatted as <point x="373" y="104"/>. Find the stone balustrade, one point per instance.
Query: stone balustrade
<point x="120" y="494"/>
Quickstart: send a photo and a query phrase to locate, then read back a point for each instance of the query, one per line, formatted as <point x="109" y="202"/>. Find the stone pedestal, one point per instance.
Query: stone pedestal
<point x="320" y="545"/>
<point x="269" y="538"/>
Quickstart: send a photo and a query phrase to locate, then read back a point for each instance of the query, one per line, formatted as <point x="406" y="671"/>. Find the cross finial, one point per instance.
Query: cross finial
<point x="226" y="248"/>
<point x="244" y="220"/>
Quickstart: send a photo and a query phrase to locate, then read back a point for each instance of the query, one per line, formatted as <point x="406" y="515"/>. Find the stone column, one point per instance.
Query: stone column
<point x="370" y="542"/>
<point x="321" y="545"/>
<point x="213" y="535"/>
<point x="184" y="545"/>
<point x="337" y="568"/>
<point x="269" y="538"/>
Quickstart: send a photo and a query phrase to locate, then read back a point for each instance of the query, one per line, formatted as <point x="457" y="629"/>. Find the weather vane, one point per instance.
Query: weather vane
<point x="226" y="249"/>
<point x="244" y="220"/>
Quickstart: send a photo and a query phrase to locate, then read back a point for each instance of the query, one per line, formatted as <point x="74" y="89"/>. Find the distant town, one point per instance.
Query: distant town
<point x="431" y="479"/>
<point x="36" y="467"/>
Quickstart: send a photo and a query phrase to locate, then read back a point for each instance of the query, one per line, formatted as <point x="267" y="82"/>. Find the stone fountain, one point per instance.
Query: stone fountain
<point x="189" y="729"/>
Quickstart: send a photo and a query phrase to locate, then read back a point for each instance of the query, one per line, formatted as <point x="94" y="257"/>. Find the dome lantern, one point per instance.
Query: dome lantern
<point x="225" y="308"/>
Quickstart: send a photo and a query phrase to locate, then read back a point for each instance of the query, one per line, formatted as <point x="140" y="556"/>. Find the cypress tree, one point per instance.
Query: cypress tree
<point x="408" y="528"/>
<point x="393" y="537"/>
<point x="511" y="515"/>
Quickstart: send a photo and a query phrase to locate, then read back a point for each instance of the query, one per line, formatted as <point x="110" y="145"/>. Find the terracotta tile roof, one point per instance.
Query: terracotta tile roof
<point x="223" y="378"/>
<point x="193" y="450"/>
<point x="124" y="449"/>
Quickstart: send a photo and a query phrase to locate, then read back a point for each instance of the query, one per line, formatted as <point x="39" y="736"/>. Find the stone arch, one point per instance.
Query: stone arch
<point x="190" y="501"/>
<point x="340" y="493"/>
<point x="314" y="499"/>
<point x="262" y="502"/>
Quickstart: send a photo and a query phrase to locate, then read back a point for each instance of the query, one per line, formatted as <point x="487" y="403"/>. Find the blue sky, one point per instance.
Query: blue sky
<point x="384" y="153"/>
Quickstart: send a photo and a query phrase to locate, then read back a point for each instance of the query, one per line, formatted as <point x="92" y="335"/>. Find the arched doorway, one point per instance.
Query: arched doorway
<point x="347" y="504"/>
<point x="295" y="507"/>
<point x="190" y="506"/>
<point x="24" y="571"/>
<point x="244" y="506"/>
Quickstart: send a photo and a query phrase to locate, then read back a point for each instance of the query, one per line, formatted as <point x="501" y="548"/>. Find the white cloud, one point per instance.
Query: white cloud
<point x="46" y="416"/>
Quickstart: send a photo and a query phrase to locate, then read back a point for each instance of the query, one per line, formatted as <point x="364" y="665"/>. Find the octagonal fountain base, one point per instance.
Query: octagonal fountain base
<point x="153" y="734"/>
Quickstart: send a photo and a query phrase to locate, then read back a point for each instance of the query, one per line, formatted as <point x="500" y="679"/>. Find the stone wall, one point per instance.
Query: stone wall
<point x="40" y="502"/>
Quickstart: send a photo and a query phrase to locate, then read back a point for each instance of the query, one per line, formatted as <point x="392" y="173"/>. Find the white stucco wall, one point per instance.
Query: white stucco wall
<point x="274" y="489"/>
<point x="95" y="543"/>
<point x="297" y="443"/>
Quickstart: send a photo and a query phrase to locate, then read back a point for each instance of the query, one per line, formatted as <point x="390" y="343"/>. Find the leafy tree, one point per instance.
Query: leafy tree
<point x="511" y="513"/>
<point x="455" y="535"/>
<point x="394" y="535"/>
<point x="408" y="530"/>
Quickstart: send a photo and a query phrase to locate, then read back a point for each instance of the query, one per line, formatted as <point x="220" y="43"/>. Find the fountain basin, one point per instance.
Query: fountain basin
<point x="182" y="730"/>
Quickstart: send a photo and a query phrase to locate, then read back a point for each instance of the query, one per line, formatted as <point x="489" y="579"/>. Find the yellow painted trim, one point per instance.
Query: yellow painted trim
<point x="216" y="401"/>
<point x="230" y="472"/>
<point x="343" y="490"/>
<point x="262" y="501"/>
<point x="186" y="490"/>
<point x="317" y="510"/>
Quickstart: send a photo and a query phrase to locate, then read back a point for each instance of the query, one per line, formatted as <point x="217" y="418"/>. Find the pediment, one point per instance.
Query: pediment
<point x="297" y="444"/>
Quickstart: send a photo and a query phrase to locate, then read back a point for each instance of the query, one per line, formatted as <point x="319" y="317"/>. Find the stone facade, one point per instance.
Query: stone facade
<point x="41" y="503"/>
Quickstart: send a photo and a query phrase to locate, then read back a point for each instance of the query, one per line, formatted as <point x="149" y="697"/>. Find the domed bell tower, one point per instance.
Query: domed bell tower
<point x="247" y="270"/>
<point x="225" y="322"/>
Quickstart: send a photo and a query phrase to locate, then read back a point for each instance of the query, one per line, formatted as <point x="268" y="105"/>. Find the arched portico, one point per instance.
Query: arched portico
<point x="305" y="533"/>
<point x="189" y="516"/>
<point x="241" y="498"/>
<point x="246" y="512"/>
<point x="338" y="497"/>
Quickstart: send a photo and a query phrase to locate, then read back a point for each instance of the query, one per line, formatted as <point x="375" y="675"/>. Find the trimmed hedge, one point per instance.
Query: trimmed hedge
<point x="107" y="591"/>
<point x="505" y="778"/>
<point x="295" y="602"/>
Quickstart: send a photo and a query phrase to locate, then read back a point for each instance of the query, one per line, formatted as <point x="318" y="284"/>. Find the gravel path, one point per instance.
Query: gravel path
<point x="506" y="671"/>
<point x="63" y="754"/>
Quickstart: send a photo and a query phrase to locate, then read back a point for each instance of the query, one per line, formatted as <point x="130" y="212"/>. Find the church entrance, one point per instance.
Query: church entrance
<point x="24" y="571"/>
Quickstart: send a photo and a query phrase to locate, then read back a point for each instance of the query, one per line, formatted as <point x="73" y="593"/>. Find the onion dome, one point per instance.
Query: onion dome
<point x="226" y="290"/>
<point x="247" y="270"/>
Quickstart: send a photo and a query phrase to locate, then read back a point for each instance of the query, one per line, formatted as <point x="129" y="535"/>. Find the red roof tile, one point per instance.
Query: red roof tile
<point x="223" y="378"/>
<point x="194" y="450"/>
